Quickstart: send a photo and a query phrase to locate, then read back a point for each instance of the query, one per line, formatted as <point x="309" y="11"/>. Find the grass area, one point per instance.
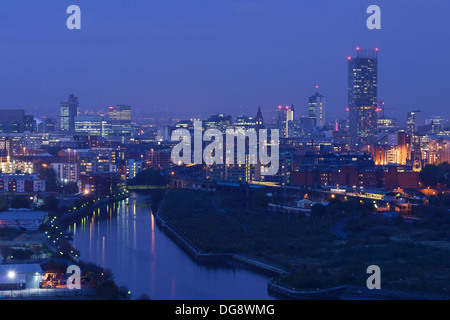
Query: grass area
<point x="308" y="246"/>
<point x="214" y="223"/>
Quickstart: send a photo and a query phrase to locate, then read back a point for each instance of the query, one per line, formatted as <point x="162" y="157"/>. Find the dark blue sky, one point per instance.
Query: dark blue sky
<point x="210" y="56"/>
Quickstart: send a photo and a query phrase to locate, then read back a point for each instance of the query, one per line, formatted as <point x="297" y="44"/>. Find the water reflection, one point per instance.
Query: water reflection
<point x="124" y="237"/>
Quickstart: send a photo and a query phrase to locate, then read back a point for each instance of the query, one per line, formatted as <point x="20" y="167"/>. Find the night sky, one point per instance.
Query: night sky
<point x="189" y="57"/>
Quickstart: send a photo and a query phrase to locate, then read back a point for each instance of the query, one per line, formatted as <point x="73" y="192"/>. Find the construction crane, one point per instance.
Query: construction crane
<point x="382" y="107"/>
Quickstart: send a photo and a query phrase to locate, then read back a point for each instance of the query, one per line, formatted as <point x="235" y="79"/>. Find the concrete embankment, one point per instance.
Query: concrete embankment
<point x="281" y="291"/>
<point x="257" y="264"/>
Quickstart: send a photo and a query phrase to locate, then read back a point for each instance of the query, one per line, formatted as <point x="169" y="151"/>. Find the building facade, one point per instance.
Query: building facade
<point x="69" y="110"/>
<point x="362" y="99"/>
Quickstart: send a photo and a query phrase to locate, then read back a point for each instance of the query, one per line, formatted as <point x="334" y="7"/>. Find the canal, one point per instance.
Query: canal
<point x="125" y="238"/>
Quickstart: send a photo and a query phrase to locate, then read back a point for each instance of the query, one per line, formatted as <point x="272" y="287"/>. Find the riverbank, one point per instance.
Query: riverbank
<point x="55" y="227"/>
<point x="58" y="243"/>
<point x="75" y="214"/>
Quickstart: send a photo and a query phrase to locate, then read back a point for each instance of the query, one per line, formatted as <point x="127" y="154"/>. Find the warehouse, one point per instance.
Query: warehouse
<point x="30" y="220"/>
<point x="20" y="276"/>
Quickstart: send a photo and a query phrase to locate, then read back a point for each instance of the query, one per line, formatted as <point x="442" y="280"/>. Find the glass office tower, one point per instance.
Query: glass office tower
<point x="362" y="99"/>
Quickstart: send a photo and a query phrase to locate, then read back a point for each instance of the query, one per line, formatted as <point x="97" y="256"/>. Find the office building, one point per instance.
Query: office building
<point x="386" y="125"/>
<point x="316" y="109"/>
<point x="120" y="119"/>
<point x="243" y="123"/>
<point x="93" y="125"/>
<point x="12" y="121"/>
<point x="69" y="110"/>
<point x="284" y="118"/>
<point x="47" y="125"/>
<point x="413" y="121"/>
<point x="218" y="121"/>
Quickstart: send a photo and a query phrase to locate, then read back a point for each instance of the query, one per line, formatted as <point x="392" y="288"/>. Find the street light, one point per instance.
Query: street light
<point x="11" y="276"/>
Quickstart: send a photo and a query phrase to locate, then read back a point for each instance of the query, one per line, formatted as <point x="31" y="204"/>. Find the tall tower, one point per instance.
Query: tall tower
<point x="362" y="98"/>
<point x="285" y="116"/>
<point x="69" y="110"/>
<point x="316" y="109"/>
<point x="413" y="121"/>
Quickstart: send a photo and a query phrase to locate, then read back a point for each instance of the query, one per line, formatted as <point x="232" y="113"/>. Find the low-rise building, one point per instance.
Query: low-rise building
<point x="20" y="276"/>
<point x="21" y="182"/>
<point x="30" y="220"/>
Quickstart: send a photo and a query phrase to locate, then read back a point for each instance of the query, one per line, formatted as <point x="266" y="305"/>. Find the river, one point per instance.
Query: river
<point x="125" y="238"/>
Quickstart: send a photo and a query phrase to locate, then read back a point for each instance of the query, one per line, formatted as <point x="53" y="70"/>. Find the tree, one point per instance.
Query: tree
<point x="148" y="177"/>
<point x="430" y="175"/>
<point x="51" y="204"/>
<point x="318" y="210"/>
<point x="259" y="199"/>
<point x="70" y="188"/>
<point x="108" y="290"/>
<point x="49" y="175"/>
<point x="20" y="202"/>
<point x="4" y="203"/>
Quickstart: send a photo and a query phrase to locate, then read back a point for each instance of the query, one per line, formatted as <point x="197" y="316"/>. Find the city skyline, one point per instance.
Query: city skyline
<point x="253" y="54"/>
<point x="224" y="150"/>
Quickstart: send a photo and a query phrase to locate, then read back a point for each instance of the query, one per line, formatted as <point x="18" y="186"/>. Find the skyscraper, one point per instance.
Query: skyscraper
<point x="69" y="110"/>
<point x="413" y="121"/>
<point x="362" y="98"/>
<point x="316" y="109"/>
<point x="121" y="119"/>
<point x="285" y="116"/>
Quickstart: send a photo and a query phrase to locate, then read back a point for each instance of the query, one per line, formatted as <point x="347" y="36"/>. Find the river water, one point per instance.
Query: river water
<point x="125" y="238"/>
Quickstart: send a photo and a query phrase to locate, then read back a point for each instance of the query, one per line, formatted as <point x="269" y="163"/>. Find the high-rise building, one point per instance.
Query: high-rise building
<point x="362" y="98"/>
<point x="12" y="121"/>
<point x="436" y="123"/>
<point x="316" y="109"/>
<point x="413" y="121"/>
<point x="285" y="116"/>
<point x="47" y="125"/>
<point x="69" y="110"/>
<point x="30" y="123"/>
<point x="121" y="119"/>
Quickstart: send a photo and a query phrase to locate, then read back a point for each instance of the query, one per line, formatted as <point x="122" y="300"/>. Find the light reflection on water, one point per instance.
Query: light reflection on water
<point x="125" y="238"/>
